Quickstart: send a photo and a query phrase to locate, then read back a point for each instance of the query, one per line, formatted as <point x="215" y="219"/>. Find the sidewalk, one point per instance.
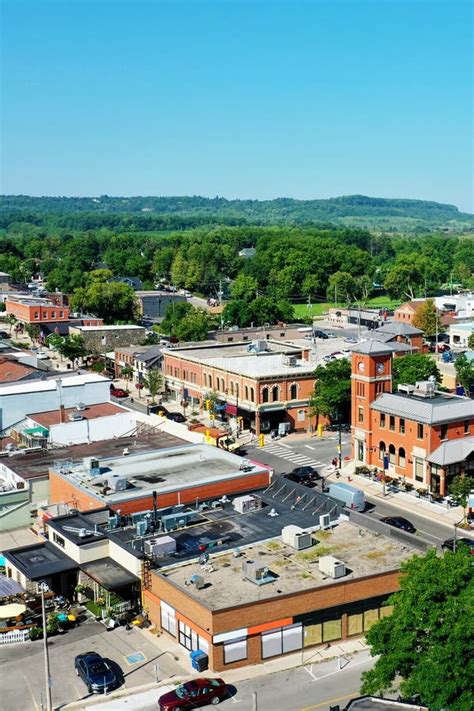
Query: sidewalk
<point x="315" y="660"/>
<point x="408" y="502"/>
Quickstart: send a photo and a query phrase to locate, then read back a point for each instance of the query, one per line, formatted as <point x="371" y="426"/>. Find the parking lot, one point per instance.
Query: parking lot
<point x="22" y="669"/>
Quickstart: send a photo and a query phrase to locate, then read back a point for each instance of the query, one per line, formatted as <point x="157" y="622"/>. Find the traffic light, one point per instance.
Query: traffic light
<point x="208" y="404"/>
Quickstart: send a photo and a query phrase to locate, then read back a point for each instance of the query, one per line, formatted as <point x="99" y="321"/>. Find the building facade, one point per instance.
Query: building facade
<point x="39" y="311"/>
<point x="102" y="339"/>
<point x="409" y="433"/>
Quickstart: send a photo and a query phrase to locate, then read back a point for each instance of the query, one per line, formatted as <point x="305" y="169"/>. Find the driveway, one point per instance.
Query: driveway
<point x="22" y="670"/>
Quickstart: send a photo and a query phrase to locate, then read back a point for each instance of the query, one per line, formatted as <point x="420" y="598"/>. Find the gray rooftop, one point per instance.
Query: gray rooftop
<point x="398" y="328"/>
<point x="8" y="586"/>
<point x="453" y="451"/>
<point x="373" y="347"/>
<point x="293" y="571"/>
<point x="40" y="560"/>
<point x="426" y="410"/>
<point x="109" y="574"/>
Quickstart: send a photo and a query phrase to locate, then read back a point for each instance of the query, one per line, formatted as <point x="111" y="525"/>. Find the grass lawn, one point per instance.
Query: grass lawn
<point x="378" y="302"/>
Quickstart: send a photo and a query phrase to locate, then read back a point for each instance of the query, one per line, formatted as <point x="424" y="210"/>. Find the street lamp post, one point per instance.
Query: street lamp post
<point x="49" y="704"/>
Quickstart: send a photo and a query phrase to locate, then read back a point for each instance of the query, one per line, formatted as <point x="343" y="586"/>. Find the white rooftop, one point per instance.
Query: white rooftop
<point x="261" y="365"/>
<point x="34" y="386"/>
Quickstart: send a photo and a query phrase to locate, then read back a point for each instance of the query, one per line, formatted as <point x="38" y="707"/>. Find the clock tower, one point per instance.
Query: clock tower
<point x="371" y="375"/>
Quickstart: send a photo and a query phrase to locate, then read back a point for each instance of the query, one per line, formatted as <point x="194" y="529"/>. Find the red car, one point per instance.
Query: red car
<point x="118" y="392"/>
<point x="197" y="692"/>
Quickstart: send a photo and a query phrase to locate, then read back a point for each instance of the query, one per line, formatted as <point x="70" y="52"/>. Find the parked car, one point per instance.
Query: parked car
<point x="41" y="355"/>
<point x="399" y="522"/>
<point x="350" y="339"/>
<point x="442" y="348"/>
<point x="118" y="392"/>
<point x="330" y="334"/>
<point x="198" y="692"/>
<point x="307" y="476"/>
<point x="156" y="409"/>
<point x="448" y="545"/>
<point x="317" y="334"/>
<point x="95" y="672"/>
<point x="176" y="417"/>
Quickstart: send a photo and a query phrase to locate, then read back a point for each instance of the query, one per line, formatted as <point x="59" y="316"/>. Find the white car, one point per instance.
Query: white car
<point x="330" y="334"/>
<point x="41" y="355"/>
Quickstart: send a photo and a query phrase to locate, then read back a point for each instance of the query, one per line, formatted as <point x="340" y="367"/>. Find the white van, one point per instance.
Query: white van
<point x="353" y="498"/>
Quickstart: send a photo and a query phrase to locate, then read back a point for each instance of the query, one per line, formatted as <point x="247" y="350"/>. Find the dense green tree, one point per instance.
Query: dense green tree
<point x="112" y="301"/>
<point x="72" y="348"/>
<point x="460" y="489"/>
<point x="153" y="382"/>
<point x="342" y="288"/>
<point x="332" y="390"/>
<point x="470" y="341"/>
<point x="427" y="318"/>
<point x="426" y="642"/>
<point x="465" y="372"/>
<point x="413" y="368"/>
<point x="194" y="326"/>
<point x="243" y="288"/>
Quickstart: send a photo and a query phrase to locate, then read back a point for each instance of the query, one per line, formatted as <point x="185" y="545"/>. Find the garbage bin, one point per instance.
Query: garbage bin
<point x="199" y="660"/>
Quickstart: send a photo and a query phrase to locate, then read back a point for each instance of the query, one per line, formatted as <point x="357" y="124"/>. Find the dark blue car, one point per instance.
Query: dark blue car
<point x="95" y="672"/>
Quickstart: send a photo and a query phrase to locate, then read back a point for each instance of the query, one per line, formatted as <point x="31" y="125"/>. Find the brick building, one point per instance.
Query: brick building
<point x="39" y="311"/>
<point x="426" y="435"/>
<point x="263" y="382"/>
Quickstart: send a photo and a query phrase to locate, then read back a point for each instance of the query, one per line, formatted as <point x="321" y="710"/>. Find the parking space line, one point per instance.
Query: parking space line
<point x="31" y="692"/>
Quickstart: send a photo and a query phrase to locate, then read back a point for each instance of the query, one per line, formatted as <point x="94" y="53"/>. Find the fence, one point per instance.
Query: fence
<point x="14" y="637"/>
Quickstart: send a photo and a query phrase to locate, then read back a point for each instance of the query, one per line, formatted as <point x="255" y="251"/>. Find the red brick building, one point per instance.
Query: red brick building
<point x="30" y="311"/>
<point x="427" y="435"/>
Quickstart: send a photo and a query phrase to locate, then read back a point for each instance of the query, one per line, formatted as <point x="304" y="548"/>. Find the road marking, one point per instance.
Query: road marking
<point x="328" y="701"/>
<point x="135" y="658"/>
<point x="308" y="446"/>
<point x="31" y="692"/>
<point x="287" y="446"/>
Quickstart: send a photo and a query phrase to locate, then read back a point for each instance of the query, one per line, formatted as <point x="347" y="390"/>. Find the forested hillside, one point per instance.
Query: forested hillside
<point x="182" y="212"/>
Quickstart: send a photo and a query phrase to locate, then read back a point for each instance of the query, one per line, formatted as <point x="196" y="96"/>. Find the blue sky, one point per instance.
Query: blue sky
<point x="247" y="99"/>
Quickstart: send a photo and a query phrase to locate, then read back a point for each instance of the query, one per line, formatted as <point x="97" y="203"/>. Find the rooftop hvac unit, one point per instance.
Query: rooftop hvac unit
<point x="256" y="572"/>
<point x="75" y="416"/>
<point x="406" y="388"/>
<point x="243" y="504"/>
<point x="80" y="406"/>
<point x="164" y="545"/>
<point x="113" y="522"/>
<point x="258" y="346"/>
<point x="117" y="483"/>
<point x="91" y="464"/>
<point x="332" y="567"/>
<point x="197" y="581"/>
<point x="324" y="521"/>
<point x="296" y="537"/>
<point x="141" y="528"/>
<point x="425" y="388"/>
<point x="289" y="360"/>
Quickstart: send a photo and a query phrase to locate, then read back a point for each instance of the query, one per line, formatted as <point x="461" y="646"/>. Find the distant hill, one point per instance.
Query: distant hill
<point x="354" y="210"/>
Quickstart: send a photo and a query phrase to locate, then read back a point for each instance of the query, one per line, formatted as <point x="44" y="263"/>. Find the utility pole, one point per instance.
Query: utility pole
<point x="335" y="296"/>
<point x="309" y="302"/>
<point x="47" y="678"/>
<point x="219" y="293"/>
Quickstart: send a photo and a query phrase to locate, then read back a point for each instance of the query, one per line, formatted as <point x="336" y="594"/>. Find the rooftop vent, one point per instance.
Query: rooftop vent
<point x="256" y="572"/>
<point x="332" y="567"/>
<point x="406" y="388"/>
<point x="197" y="581"/>
<point x="289" y="360"/>
<point x="80" y="406"/>
<point x="75" y="416"/>
<point x="257" y="346"/>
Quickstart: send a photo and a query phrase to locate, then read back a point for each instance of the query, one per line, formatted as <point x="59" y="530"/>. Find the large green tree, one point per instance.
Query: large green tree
<point x="427" y="318"/>
<point x="332" y="390"/>
<point x="426" y="642"/>
<point x="465" y="372"/>
<point x="72" y="348"/>
<point x="412" y="368"/>
<point x="153" y="382"/>
<point x="112" y="301"/>
<point x="460" y="489"/>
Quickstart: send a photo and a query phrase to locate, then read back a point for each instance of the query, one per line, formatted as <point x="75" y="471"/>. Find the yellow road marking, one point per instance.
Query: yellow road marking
<point x="31" y="692"/>
<point x="328" y="702"/>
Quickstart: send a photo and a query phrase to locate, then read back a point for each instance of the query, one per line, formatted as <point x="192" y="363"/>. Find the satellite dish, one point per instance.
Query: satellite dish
<point x="203" y="558"/>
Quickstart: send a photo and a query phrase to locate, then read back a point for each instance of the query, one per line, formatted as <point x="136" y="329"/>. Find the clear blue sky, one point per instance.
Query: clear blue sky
<point x="249" y="99"/>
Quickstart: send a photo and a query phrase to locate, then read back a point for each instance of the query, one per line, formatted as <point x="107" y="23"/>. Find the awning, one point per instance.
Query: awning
<point x="14" y="609"/>
<point x="39" y="431"/>
<point x="109" y="574"/>
<point x="452" y="451"/>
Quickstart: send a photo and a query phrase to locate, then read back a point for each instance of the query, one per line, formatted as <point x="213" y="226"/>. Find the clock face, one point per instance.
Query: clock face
<point x="361" y="366"/>
<point x="380" y="367"/>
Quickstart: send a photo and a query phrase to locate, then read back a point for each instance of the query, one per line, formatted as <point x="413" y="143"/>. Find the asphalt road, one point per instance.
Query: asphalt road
<point x="284" y="455"/>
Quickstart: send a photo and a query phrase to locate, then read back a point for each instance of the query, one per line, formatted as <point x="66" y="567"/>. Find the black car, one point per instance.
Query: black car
<point x="448" y="545"/>
<point x="156" y="409"/>
<point x="399" y="522"/>
<point x="307" y="476"/>
<point x="95" y="672"/>
<point x="320" y="334"/>
<point x="176" y="417"/>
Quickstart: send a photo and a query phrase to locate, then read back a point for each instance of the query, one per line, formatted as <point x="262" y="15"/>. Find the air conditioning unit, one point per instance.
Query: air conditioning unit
<point x="296" y="537"/>
<point x="244" y="504"/>
<point x="91" y="464"/>
<point x="324" y="521"/>
<point x="164" y="545"/>
<point x="289" y="360"/>
<point x="75" y="416"/>
<point x="332" y="567"/>
<point x="406" y="388"/>
<point x="425" y="388"/>
<point x="117" y="483"/>
<point x="80" y="406"/>
<point x="141" y="528"/>
<point x="256" y="572"/>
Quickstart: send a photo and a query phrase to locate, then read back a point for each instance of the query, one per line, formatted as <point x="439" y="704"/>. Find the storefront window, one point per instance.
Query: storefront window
<point x="282" y="640"/>
<point x="235" y="650"/>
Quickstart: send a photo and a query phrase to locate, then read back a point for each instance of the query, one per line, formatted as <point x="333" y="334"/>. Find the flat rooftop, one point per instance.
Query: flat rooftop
<point x="363" y="551"/>
<point x="37" y="464"/>
<point x="40" y="560"/>
<point x="90" y="412"/>
<point x="35" y="386"/>
<point x="164" y="470"/>
<point x="211" y="350"/>
<point x="261" y="365"/>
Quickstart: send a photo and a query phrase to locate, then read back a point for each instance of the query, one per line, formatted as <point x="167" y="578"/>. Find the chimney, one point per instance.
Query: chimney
<point x="62" y="414"/>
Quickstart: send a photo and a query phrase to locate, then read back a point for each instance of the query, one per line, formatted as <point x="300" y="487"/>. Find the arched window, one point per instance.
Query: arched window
<point x="231" y="387"/>
<point x="246" y="391"/>
<point x="391" y="454"/>
<point x="401" y="457"/>
<point x="265" y="395"/>
<point x="275" y="393"/>
<point x="237" y="389"/>
<point x="210" y="381"/>
<point x="293" y="392"/>
<point x="381" y="450"/>
<point x="252" y="395"/>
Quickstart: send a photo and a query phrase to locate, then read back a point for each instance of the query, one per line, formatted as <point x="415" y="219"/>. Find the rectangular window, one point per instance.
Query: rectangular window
<point x="58" y="539"/>
<point x="37" y="314"/>
<point x="360" y="415"/>
<point x="466" y="426"/>
<point x="235" y="650"/>
<point x="361" y="389"/>
<point x="391" y="424"/>
<point x="419" y="432"/>
<point x="419" y="469"/>
<point x="53" y="314"/>
<point x="282" y="640"/>
<point x="168" y="619"/>
<point x="443" y="433"/>
<point x="401" y="425"/>
<point x="301" y="415"/>
<point x="61" y="314"/>
<point x="382" y="420"/>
